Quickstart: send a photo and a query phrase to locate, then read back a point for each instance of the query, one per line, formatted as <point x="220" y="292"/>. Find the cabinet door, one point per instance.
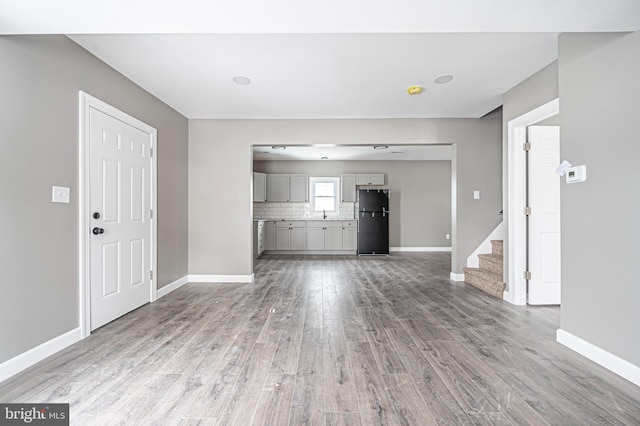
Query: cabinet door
<point x="376" y="179"/>
<point x="315" y="239"/>
<point x="277" y="188"/>
<point x="350" y="238"/>
<point x="333" y="239"/>
<point x="297" y="239"/>
<point x="259" y="186"/>
<point x="283" y="240"/>
<point x="362" y="179"/>
<point x="269" y="232"/>
<point x="256" y="240"/>
<point x="348" y="188"/>
<point x="299" y="188"/>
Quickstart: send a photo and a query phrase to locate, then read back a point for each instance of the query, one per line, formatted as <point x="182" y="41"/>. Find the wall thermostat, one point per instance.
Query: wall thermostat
<point x="576" y="174"/>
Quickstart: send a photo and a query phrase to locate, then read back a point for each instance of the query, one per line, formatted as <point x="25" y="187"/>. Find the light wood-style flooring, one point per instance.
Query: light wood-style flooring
<point x="330" y="340"/>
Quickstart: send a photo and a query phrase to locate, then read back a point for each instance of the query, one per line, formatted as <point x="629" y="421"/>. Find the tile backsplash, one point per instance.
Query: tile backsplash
<point x="291" y="211"/>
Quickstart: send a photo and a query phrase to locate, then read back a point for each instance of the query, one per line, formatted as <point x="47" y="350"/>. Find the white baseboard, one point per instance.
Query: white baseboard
<point x="419" y="249"/>
<point x="456" y="277"/>
<point x="598" y="355"/>
<point x="221" y="278"/>
<point x="172" y="286"/>
<point x="26" y="359"/>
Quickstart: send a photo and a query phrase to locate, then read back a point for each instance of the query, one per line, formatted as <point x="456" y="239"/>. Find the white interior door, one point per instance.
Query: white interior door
<point x="544" y="220"/>
<point x="119" y="199"/>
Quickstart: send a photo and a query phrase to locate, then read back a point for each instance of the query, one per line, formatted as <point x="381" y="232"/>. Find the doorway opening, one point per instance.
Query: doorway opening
<point x="517" y="260"/>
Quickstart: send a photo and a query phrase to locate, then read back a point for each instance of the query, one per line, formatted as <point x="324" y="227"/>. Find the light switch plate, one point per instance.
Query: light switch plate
<point x="60" y="194"/>
<point x="476" y="195"/>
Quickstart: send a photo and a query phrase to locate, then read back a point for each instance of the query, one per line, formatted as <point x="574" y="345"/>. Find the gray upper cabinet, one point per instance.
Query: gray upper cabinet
<point x="259" y="186"/>
<point x="299" y="188"/>
<point x="277" y="188"/>
<point x="282" y="188"/>
<point x="370" y="179"/>
<point x="348" y="188"/>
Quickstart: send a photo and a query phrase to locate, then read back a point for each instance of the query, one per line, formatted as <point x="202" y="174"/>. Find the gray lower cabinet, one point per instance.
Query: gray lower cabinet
<point x="324" y="235"/>
<point x="333" y="238"/>
<point x="350" y="235"/>
<point x="269" y="232"/>
<point x="301" y="235"/>
<point x="290" y="235"/>
<point x="258" y="238"/>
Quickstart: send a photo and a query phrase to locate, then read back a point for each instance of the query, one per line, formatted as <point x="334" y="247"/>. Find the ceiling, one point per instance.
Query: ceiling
<point x="318" y="60"/>
<point x="354" y="152"/>
<point x="326" y="75"/>
<point x="329" y="59"/>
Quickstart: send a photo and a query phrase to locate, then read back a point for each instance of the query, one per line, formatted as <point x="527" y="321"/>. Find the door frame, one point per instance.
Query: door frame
<point x="516" y="190"/>
<point x="86" y="102"/>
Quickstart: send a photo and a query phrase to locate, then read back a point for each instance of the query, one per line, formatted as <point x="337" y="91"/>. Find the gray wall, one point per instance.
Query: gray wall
<point x="40" y="78"/>
<point x="535" y="91"/>
<point x="420" y="194"/>
<point x="599" y="108"/>
<point x="220" y="177"/>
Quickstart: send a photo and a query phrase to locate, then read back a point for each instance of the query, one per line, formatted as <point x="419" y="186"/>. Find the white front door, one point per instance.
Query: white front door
<point x="119" y="200"/>
<point x="544" y="220"/>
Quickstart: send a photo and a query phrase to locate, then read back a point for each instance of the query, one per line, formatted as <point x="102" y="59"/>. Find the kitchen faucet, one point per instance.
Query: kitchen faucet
<point x="324" y="214"/>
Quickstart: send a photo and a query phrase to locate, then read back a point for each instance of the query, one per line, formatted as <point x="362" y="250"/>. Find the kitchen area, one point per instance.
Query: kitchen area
<point x="294" y="213"/>
<point x="308" y="200"/>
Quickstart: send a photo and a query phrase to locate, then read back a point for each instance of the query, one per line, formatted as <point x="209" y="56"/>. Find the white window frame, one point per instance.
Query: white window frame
<point x="312" y="196"/>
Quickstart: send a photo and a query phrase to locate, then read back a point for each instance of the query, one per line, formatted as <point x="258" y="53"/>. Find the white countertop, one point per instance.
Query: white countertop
<point x="309" y="219"/>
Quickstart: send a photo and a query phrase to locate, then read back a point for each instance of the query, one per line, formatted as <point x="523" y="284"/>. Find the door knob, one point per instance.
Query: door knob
<point x="97" y="231"/>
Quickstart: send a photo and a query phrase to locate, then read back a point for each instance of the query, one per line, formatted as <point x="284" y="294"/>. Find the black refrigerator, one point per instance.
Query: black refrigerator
<point x="373" y="221"/>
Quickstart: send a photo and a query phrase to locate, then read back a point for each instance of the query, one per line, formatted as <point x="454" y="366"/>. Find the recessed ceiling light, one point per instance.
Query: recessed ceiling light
<point x="279" y="147"/>
<point x="414" y="90"/>
<point x="445" y="78"/>
<point x="241" y="80"/>
<point x="381" y="146"/>
<point x="324" y="158"/>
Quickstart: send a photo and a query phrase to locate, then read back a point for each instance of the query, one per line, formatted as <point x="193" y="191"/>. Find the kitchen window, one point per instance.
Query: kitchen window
<point x="325" y="195"/>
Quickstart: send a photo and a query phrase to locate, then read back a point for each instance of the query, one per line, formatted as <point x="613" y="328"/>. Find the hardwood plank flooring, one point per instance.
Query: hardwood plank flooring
<point x="330" y="340"/>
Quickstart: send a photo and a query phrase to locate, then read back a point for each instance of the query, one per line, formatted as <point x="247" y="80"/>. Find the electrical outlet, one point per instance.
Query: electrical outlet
<point x="447" y="236"/>
<point x="60" y="194"/>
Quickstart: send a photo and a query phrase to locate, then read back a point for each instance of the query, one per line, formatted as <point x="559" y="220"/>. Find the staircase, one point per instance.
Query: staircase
<point x="488" y="277"/>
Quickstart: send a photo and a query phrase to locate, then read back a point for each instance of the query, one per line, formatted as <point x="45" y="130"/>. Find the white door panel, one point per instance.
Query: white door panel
<point x="544" y="221"/>
<point x="120" y="256"/>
